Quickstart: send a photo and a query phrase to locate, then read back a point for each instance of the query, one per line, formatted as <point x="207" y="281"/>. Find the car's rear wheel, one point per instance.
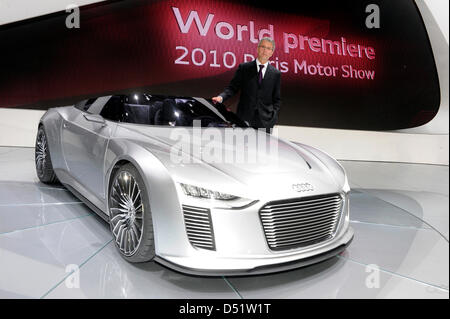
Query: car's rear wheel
<point x="130" y="217"/>
<point x="44" y="167"/>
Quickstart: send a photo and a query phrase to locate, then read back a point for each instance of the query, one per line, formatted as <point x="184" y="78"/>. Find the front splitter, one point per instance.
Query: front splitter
<point x="260" y="270"/>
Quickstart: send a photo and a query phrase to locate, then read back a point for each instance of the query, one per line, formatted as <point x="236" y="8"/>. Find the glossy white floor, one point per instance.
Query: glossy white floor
<point x="400" y="213"/>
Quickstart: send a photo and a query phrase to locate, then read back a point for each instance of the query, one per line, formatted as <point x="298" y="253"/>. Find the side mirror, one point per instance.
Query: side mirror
<point x="96" y="118"/>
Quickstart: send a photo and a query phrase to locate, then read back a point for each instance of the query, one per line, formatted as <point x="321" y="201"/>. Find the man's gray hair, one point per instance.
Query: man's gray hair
<point x="268" y="39"/>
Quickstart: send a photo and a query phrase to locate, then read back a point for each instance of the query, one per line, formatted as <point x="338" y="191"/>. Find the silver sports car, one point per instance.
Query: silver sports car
<point x="189" y="185"/>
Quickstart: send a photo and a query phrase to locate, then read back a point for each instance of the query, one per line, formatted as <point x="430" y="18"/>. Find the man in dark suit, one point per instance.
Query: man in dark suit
<point x="259" y="83"/>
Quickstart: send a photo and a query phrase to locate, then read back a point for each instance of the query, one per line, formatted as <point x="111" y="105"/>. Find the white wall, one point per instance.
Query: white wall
<point x="16" y="10"/>
<point x="427" y="144"/>
<point x="439" y="9"/>
<point x="373" y="146"/>
<point x="18" y="127"/>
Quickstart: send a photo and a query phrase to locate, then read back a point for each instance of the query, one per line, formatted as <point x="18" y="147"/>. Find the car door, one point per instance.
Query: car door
<point x="85" y="136"/>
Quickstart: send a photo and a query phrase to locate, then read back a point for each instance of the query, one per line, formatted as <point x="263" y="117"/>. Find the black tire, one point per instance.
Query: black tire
<point x="130" y="218"/>
<point x="42" y="160"/>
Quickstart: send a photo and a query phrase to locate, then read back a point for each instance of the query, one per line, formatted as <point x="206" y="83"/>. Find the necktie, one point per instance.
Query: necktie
<point x="260" y="77"/>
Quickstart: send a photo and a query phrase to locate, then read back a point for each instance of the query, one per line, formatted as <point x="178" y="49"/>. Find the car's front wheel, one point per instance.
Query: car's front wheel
<point x="44" y="167"/>
<point x="130" y="217"/>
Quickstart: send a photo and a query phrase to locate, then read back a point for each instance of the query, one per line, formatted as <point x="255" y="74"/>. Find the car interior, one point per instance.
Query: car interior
<point x="163" y="111"/>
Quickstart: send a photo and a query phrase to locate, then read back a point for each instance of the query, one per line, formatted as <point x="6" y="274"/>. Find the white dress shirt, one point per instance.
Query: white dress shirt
<point x="264" y="69"/>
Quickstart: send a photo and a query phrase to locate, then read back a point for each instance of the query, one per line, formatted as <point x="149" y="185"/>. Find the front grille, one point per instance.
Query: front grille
<point x="300" y="222"/>
<point x="199" y="227"/>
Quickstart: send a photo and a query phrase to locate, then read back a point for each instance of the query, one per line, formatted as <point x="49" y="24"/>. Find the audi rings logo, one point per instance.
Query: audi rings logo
<point x="302" y="187"/>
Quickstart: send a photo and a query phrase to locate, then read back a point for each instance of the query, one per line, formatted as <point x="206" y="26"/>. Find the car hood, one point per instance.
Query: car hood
<point x="269" y="161"/>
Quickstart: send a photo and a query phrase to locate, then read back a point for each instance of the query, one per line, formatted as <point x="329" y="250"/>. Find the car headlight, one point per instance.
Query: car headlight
<point x="196" y="191"/>
<point x="212" y="198"/>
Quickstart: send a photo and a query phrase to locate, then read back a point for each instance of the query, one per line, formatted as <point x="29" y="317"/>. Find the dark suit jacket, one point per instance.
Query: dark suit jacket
<point x="258" y="105"/>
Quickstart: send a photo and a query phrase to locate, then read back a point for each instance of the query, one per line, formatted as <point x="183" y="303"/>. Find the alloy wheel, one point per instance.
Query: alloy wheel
<point x="126" y="213"/>
<point x="41" y="152"/>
